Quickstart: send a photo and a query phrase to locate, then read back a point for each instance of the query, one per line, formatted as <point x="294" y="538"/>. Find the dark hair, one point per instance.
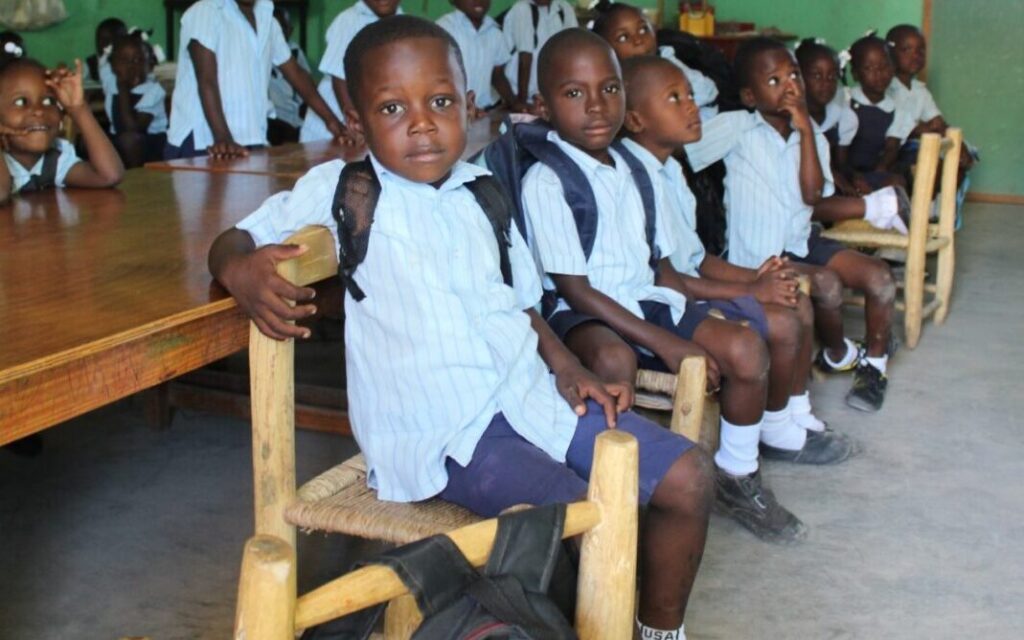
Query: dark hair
<point x="388" y="31"/>
<point x="565" y="43"/>
<point x="606" y="11"/>
<point x="635" y="69"/>
<point x="748" y="54"/>
<point x="860" y="48"/>
<point x="810" y="50"/>
<point x="899" y="32"/>
<point x="133" y="38"/>
<point x="116" y="25"/>
<point x="10" y="64"/>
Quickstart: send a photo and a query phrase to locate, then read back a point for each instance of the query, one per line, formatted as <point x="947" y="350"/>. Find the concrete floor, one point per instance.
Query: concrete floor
<point x="120" y="530"/>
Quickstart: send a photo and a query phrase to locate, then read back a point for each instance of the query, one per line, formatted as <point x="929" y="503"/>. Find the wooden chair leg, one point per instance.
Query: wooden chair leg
<point x="688" y="401"/>
<point x="401" y="618"/>
<point x="944" y="281"/>
<point x="606" y="590"/>
<point x="266" y="591"/>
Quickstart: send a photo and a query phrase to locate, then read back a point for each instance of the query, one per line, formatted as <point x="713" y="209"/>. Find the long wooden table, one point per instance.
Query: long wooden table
<point x="104" y="293"/>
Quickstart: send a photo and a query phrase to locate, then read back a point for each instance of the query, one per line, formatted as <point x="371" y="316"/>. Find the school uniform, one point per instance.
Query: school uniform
<point x="916" y="101"/>
<point x="244" y="59"/>
<point x="284" y="98"/>
<point x="525" y="36"/>
<point x="444" y="379"/>
<point x="864" y="128"/>
<point x="148" y="97"/>
<point x="61" y="157"/>
<point x="765" y="212"/>
<point x="705" y="91"/>
<point x="340" y="33"/>
<point x="482" y="49"/>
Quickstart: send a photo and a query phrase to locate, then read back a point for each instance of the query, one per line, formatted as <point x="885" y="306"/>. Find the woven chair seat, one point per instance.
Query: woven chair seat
<point x="339" y="501"/>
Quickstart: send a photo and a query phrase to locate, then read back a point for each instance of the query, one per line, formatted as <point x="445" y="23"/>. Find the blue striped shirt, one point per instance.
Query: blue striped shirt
<point x="618" y="265"/>
<point x="440" y="344"/>
<point x="482" y="50"/>
<point x="705" y="91"/>
<point x="765" y="211"/>
<point x="522" y="37"/>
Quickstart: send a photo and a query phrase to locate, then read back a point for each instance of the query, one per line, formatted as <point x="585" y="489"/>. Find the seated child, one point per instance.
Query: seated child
<point x="630" y="33"/>
<point x="620" y="288"/>
<point x="873" y="127"/>
<point x="137" y="111"/>
<point x="778" y="177"/>
<point x="98" y="62"/>
<point x="219" y="104"/>
<point x="457" y="387"/>
<point x="33" y="101"/>
<point x="288" y="105"/>
<point x="485" y="51"/>
<point x="11" y="46"/>
<point x="527" y="25"/>
<point x="332" y="86"/>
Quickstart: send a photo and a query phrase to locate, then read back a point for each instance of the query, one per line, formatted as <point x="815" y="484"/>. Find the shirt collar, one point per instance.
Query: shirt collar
<point x="487" y="23"/>
<point x="588" y="163"/>
<point x="643" y="155"/>
<point x="887" y="104"/>
<point x="363" y="8"/>
<point x="461" y="173"/>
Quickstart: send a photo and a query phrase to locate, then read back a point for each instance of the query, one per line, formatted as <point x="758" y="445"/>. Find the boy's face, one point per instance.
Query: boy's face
<point x="775" y="76"/>
<point x="383" y="8"/>
<point x="474" y="9"/>
<point x="875" y="71"/>
<point x="821" y="78"/>
<point x="26" y="103"/>
<point x="664" y="108"/>
<point x="412" y="108"/>
<point x="630" y="34"/>
<point x="908" y="54"/>
<point x="585" y="102"/>
<point x="130" y="64"/>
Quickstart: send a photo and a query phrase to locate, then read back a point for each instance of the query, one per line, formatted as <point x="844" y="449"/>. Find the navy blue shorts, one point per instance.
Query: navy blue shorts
<point x="819" y="250"/>
<point x="506" y="470"/>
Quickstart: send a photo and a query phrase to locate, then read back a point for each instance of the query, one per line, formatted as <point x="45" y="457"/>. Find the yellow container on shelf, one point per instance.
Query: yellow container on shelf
<point x="697" y="18"/>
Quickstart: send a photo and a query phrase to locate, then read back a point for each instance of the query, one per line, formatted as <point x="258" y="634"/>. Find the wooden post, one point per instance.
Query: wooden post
<point x="924" y="189"/>
<point x="606" y="590"/>
<point x="688" y="402"/>
<point x="947" y="221"/>
<point x="266" y="591"/>
<point x="401" y="618"/>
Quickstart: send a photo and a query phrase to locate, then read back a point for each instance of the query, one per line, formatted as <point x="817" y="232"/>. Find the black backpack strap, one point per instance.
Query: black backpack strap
<point x="499" y="209"/>
<point x="433" y="569"/>
<point x="47" y="177"/>
<point x="355" y="200"/>
<point x="535" y="16"/>
<point x="527" y="546"/>
<point x="642" y="179"/>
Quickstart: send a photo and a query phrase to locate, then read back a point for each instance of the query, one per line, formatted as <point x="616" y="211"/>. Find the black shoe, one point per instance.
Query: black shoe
<point x="868" y="391"/>
<point x="821" y="447"/>
<point x="28" y="447"/>
<point x="745" y="500"/>
<point x="823" y="365"/>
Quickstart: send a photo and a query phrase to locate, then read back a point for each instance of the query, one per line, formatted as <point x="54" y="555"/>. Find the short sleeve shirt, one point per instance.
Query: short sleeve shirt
<point x="20" y="175"/>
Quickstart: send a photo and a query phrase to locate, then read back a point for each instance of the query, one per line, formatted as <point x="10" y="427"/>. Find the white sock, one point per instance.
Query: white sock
<point x="878" y="363"/>
<point x="650" y="633"/>
<point x="847" y="359"/>
<point x="778" y="430"/>
<point x="737" y="448"/>
<point x="800" y="412"/>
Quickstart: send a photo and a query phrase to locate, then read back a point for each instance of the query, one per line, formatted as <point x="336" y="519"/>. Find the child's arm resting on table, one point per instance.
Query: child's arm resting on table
<point x="104" y="167"/>
<point x="303" y="84"/>
<point x="205" y="62"/>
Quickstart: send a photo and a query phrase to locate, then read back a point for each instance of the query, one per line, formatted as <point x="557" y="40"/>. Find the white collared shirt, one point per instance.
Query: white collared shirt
<point x="902" y="123"/>
<point x="440" y="344"/>
<point x="20" y="175"/>
<point x="677" y="204"/>
<point x="340" y="33"/>
<point x="152" y="102"/>
<point x="705" y="91"/>
<point x="765" y="210"/>
<point x="619" y="263"/>
<point x="482" y="51"/>
<point x="244" y="59"/>
<point x="522" y="37"/>
<point x="916" y="101"/>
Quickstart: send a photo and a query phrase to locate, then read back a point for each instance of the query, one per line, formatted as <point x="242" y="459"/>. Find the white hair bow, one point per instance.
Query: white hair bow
<point x="844" y="58"/>
<point x="158" y="51"/>
<point x="13" y="49"/>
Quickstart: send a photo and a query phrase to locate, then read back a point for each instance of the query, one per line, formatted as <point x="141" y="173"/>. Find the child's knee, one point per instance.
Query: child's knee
<point x="827" y="289"/>
<point x="614" y="362"/>
<point x="880" y="284"/>
<point x="746" y="357"/>
<point x="805" y="312"/>
<point x="785" y="326"/>
<point x="688" y="486"/>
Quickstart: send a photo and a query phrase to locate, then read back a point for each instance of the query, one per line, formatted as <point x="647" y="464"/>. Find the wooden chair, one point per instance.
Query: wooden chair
<point x="923" y="238"/>
<point x="339" y="500"/>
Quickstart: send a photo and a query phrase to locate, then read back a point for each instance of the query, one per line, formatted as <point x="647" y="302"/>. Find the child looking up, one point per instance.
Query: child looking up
<point x="332" y="86"/>
<point x="527" y="25"/>
<point x="32" y="103"/>
<point x="630" y="33"/>
<point x="617" y="286"/>
<point x="777" y="176"/>
<point x="457" y="387"/>
<point x="485" y="51"/>
<point x="138" y="115"/>
<point x="219" y="105"/>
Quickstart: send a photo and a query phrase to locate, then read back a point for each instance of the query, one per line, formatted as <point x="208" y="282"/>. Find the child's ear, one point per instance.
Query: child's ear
<point x="747" y="98"/>
<point x="470" y="101"/>
<point x="633" y="123"/>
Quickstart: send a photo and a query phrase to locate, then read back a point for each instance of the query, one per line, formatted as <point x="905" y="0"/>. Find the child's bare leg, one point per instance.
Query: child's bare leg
<point x="603" y="351"/>
<point x="802" y="367"/>
<point x="672" y="540"/>
<point x="874" y="278"/>
<point x="827" y="298"/>
<point x="838" y="208"/>
<point x="742" y="358"/>
<point x="785" y="338"/>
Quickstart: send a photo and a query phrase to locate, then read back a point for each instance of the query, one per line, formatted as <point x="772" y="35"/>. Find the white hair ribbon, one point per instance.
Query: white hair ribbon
<point x="13" y="49"/>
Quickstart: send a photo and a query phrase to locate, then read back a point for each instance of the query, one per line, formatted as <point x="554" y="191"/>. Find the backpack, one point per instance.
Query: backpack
<point x="524" y="143"/>
<point x="47" y="177"/>
<point x="355" y="203"/>
<point x="507" y="600"/>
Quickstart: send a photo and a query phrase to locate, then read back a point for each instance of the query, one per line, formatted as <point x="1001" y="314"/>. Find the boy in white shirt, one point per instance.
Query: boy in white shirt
<point x="527" y="25"/>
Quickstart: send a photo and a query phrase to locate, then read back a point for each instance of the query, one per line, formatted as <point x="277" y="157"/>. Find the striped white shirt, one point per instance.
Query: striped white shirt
<point x="677" y="204"/>
<point x="244" y="59"/>
<point x="440" y="344"/>
<point x="285" y="99"/>
<point x="20" y="175"/>
<point x="705" y="91"/>
<point x="618" y="265"/>
<point x="902" y="123"/>
<point x="482" y="51"/>
<point x="916" y="101"/>
<point x="152" y="102"/>
<point x="765" y="211"/>
<point x="340" y="33"/>
<point x="522" y="37"/>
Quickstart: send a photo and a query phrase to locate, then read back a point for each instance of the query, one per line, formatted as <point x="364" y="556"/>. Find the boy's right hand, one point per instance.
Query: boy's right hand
<point x="224" y="149"/>
<point x="778" y="286"/>
<point x="264" y="295"/>
<point x="680" y="349"/>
